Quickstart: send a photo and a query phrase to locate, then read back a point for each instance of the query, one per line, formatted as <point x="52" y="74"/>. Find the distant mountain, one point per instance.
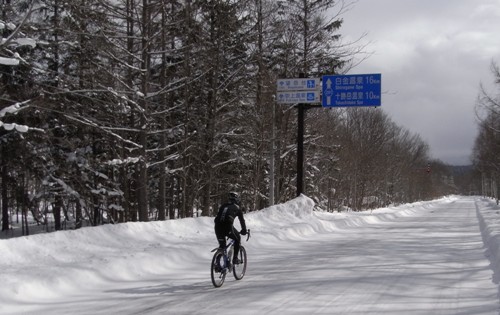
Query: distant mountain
<point x="464" y="179"/>
<point x="460" y="170"/>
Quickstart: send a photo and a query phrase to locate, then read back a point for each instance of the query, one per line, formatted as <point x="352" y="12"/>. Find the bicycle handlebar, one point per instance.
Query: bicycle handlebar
<point x="248" y="234"/>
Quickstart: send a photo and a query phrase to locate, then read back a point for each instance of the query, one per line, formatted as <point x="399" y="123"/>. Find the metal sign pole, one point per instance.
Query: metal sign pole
<point x="300" y="148"/>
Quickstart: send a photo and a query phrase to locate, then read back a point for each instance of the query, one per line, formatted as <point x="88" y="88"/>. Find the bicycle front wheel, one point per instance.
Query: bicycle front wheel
<point x="218" y="269"/>
<point x="240" y="269"/>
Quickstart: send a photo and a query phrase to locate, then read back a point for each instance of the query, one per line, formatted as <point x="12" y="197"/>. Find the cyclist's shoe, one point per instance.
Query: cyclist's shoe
<point x="217" y="268"/>
<point x="236" y="261"/>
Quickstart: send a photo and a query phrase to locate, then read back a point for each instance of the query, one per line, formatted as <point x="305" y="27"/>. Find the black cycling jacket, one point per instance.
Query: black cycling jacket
<point x="227" y="213"/>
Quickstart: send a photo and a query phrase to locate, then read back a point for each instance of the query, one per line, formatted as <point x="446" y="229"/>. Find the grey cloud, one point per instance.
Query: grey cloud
<point x="432" y="56"/>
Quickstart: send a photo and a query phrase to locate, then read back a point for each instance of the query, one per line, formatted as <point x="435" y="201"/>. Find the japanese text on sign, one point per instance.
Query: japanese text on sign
<point x="352" y="90"/>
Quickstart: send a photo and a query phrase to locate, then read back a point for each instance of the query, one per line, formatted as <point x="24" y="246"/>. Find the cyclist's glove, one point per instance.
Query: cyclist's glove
<point x="243" y="232"/>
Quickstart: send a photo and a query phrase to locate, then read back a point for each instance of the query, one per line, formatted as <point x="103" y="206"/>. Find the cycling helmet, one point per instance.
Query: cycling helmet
<point x="234" y="197"/>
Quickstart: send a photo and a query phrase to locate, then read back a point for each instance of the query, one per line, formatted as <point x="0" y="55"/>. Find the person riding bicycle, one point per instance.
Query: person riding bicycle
<point x="224" y="224"/>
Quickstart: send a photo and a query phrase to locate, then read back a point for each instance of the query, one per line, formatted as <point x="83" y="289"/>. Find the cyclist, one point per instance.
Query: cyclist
<point x="224" y="224"/>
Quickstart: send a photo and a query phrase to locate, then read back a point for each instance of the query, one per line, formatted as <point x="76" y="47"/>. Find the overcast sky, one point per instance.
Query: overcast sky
<point x="433" y="55"/>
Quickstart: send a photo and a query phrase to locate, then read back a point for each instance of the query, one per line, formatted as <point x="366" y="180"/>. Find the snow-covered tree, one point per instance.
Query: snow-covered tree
<point x="16" y="94"/>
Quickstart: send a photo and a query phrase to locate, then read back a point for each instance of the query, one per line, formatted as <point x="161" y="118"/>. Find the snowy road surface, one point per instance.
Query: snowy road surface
<point x="424" y="258"/>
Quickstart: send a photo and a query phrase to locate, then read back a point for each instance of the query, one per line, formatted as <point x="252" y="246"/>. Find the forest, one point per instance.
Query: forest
<point x="139" y="110"/>
<point x="485" y="155"/>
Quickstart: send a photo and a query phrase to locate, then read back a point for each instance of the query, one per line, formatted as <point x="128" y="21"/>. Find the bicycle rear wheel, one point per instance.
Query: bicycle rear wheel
<point x="217" y="269"/>
<point x="240" y="269"/>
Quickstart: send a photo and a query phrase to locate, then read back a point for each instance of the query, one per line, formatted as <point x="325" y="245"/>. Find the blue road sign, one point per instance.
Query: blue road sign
<point x="352" y="90"/>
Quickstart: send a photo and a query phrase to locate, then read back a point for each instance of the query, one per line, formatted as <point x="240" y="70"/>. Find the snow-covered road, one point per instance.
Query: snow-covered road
<point x="424" y="258"/>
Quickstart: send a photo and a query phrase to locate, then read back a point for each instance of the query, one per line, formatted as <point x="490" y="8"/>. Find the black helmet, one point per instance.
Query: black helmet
<point x="234" y="197"/>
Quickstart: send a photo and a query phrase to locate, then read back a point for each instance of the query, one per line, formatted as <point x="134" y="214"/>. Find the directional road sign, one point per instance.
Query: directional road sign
<point x="294" y="97"/>
<point x="351" y="90"/>
<point x="298" y="90"/>
<point x="298" y="84"/>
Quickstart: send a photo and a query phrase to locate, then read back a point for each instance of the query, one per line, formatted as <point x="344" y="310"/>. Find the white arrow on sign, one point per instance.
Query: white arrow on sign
<point x="328" y="92"/>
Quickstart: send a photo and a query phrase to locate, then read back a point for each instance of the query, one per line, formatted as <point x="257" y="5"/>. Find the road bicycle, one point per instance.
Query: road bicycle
<point x="222" y="263"/>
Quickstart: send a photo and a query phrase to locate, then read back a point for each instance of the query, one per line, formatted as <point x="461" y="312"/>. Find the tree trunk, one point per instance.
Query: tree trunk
<point x="143" y="163"/>
<point x="5" y="197"/>
<point x="56" y="211"/>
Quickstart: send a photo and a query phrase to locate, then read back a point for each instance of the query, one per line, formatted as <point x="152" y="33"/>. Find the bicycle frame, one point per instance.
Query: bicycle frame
<point x="229" y="248"/>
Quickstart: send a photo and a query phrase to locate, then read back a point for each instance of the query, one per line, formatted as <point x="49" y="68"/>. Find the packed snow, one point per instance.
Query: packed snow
<point x="437" y="257"/>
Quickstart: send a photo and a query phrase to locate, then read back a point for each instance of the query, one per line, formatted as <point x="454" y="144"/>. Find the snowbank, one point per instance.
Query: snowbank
<point x="488" y="213"/>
